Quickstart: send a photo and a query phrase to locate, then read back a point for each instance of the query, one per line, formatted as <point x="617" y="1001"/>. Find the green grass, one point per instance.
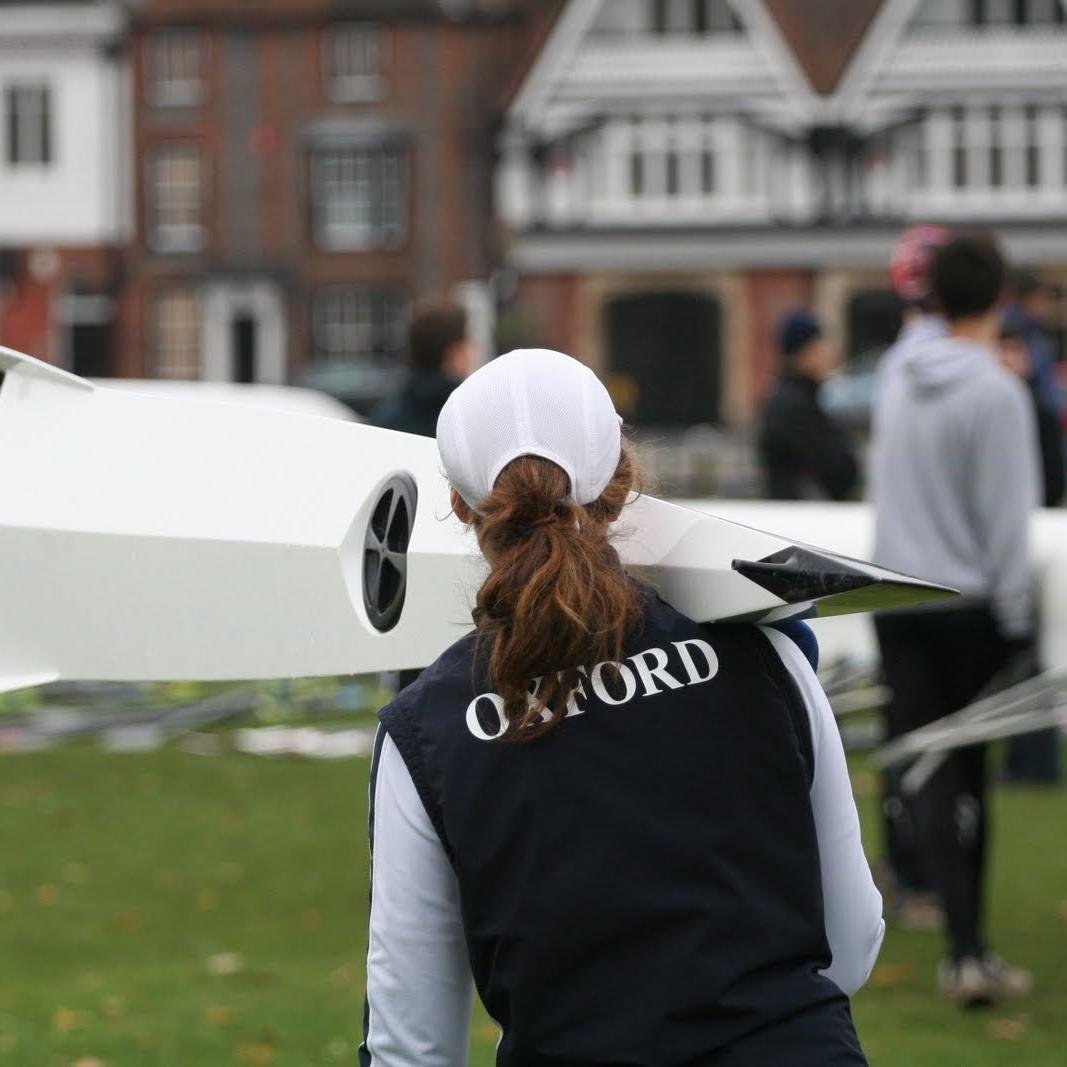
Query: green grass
<point x="122" y="877"/>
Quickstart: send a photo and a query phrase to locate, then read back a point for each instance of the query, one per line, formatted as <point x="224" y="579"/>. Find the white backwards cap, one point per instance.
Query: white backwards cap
<point x="530" y="402"/>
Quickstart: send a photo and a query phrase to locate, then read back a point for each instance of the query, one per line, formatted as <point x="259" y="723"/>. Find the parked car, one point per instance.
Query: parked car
<point x="362" y="384"/>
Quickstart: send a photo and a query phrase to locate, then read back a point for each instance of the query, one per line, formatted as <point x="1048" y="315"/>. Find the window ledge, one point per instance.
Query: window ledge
<point x="357" y="89"/>
<point x="178" y="95"/>
<point x="345" y="241"/>
<point x="176" y="239"/>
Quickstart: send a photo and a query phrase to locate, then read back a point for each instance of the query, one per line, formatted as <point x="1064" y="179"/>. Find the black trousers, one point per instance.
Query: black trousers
<point x="1034" y="758"/>
<point x="936" y="662"/>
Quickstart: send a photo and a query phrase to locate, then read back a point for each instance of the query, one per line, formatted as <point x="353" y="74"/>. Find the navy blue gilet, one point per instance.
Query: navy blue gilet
<point x="641" y="886"/>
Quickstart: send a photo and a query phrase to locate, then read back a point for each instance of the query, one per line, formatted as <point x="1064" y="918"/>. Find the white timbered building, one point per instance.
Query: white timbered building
<point x="674" y="174"/>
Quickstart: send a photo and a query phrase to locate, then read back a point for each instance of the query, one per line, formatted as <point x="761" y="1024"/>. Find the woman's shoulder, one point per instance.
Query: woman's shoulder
<point x="658" y="613"/>
<point x="457" y="662"/>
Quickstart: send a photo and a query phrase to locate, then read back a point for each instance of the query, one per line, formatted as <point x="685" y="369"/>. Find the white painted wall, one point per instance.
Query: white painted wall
<point x="81" y="197"/>
<point x="624" y="16"/>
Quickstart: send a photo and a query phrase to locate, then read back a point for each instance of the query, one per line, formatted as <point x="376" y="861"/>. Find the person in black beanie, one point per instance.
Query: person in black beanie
<point x="803" y="453"/>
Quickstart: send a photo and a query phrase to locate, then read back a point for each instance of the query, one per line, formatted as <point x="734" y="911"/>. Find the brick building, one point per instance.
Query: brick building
<point x="305" y="170"/>
<point x="677" y="173"/>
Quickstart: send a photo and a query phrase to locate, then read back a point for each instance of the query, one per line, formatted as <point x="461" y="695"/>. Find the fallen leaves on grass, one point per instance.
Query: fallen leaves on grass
<point x="18" y="796"/>
<point x="219" y="1014"/>
<point x="311" y="920"/>
<point x="488" y="1032"/>
<point x="65" y="1019"/>
<point x="129" y="922"/>
<point x="1007" y="1029"/>
<point x="866" y="784"/>
<point x="164" y="879"/>
<point x="223" y="964"/>
<point x="231" y="872"/>
<point x="114" y="1006"/>
<point x="46" y="895"/>
<point x="232" y="820"/>
<point x="257" y="1053"/>
<point x="348" y="974"/>
<point x="337" y="1049"/>
<point x="76" y="874"/>
<point x="892" y="975"/>
<point x="208" y="900"/>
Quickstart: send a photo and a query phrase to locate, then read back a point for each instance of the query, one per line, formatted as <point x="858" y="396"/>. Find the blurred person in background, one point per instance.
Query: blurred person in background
<point x="954" y="483"/>
<point x="442" y="354"/>
<point x="1034" y="758"/>
<point x="1017" y="357"/>
<point x="910" y="898"/>
<point x="804" y="453"/>
<point x="1030" y="316"/>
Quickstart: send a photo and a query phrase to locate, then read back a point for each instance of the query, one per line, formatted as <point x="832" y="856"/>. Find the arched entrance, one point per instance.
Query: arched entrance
<point x="664" y="357"/>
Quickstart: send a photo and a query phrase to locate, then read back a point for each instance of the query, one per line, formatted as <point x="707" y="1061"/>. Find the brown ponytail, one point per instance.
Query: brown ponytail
<point x="557" y="597"/>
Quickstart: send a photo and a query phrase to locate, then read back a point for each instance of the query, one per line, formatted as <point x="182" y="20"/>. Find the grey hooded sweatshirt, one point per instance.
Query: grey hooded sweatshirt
<point x="954" y="475"/>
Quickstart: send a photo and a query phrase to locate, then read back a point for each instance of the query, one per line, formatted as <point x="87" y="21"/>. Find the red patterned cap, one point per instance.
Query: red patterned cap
<point x="909" y="262"/>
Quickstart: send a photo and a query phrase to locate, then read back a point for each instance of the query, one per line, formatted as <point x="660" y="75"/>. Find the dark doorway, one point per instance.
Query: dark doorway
<point x="244" y="349"/>
<point x="665" y="357"/>
<point x="874" y="320"/>
<point x="90" y="349"/>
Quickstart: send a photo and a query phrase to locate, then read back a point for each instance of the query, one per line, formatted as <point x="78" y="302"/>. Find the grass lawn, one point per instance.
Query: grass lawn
<point x="177" y="911"/>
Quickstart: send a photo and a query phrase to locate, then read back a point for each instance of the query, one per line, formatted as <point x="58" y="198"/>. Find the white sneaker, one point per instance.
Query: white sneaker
<point x="977" y="981"/>
<point x="1010" y="981"/>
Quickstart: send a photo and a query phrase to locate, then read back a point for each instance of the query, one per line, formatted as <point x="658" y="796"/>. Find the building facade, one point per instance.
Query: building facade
<point x="306" y="169"/>
<point x="675" y="174"/>
<point x="64" y="179"/>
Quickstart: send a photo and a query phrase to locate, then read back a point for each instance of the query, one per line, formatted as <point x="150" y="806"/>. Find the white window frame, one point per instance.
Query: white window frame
<point x="358" y="323"/>
<point x="168" y="84"/>
<point x="685" y="17"/>
<point x="176" y="235"/>
<point x="176" y="357"/>
<point x="29" y="125"/>
<point x="359" y="197"/>
<point x="364" y="49"/>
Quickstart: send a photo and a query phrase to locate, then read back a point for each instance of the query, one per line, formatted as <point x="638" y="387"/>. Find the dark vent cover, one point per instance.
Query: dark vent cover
<point x="385" y="552"/>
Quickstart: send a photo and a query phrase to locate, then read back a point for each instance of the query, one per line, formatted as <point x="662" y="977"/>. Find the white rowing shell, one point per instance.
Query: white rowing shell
<point x="146" y="537"/>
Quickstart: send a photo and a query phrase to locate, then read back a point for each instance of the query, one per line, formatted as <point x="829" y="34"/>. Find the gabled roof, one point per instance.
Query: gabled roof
<point x="772" y="59"/>
<point x="823" y="41"/>
<point x="542" y="22"/>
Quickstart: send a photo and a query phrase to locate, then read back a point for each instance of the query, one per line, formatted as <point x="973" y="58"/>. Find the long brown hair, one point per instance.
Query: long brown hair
<point x="557" y="597"/>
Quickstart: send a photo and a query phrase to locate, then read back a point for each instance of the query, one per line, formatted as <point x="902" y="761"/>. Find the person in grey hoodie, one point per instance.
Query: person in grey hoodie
<point x="954" y="480"/>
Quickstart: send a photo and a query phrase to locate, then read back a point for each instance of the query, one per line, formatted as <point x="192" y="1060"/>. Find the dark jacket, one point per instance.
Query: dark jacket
<point x="416" y="407"/>
<point x="1050" y="440"/>
<point x="632" y="891"/>
<point x="1041" y="344"/>
<point x="803" y="452"/>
